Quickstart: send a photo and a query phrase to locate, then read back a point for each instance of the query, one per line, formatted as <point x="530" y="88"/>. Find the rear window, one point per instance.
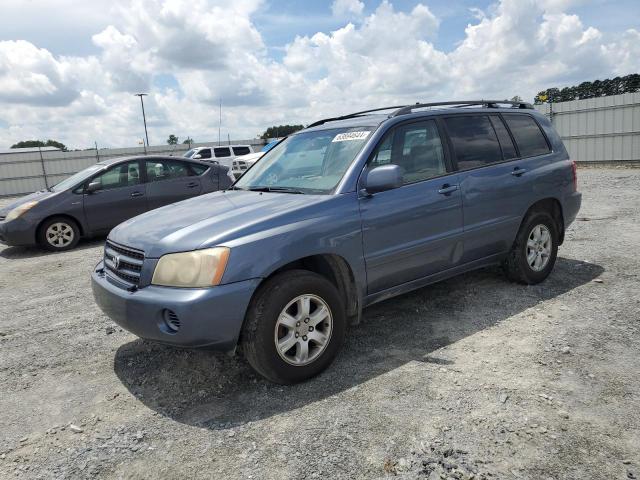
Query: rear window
<point x="474" y="141"/>
<point x="241" y="151"/>
<point x="222" y="152"/>
<point x="527" y="134"/>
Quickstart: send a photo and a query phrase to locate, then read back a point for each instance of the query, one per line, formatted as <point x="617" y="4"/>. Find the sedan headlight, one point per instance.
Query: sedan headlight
<point x="20" y="210"/>
<point x="200" y="268"/>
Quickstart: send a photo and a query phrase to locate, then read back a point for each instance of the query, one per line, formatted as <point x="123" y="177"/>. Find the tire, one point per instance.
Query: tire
<point x="58" y="234"/>
<point x="266" y="325"/>
<point x="531" y="259"/>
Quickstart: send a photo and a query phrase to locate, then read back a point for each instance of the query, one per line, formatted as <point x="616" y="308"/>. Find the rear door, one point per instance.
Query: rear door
<point x="223" y="156"/>
<point x="495" y="181"/>
<point x="413" y="231"/>
<point x="169" y="181"/>
<point x="120" y="197"/>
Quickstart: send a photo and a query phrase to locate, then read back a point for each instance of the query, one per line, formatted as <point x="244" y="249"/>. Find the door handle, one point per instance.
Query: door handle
<point x="518" y="171"/>
<point x="192" y="185"/>
<point x="447" y="189"/>
<point x="137" y="194"/>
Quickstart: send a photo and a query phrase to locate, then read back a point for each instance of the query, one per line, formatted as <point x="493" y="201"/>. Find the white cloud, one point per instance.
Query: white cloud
<point x="215" y="50"/>
<point x="341" y="8"/>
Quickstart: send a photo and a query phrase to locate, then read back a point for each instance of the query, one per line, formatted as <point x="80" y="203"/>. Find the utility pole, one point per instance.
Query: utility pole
<point x="219" y="121"/>
<point x="144" y="118"/>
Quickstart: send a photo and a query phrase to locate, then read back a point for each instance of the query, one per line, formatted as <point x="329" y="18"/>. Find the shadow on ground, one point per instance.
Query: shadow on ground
<point x="14" y="253"/>
<point x="212" y="390"/>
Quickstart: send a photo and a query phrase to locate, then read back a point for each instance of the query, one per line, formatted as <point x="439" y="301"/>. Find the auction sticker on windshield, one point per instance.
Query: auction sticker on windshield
<point x="343" y="137"/>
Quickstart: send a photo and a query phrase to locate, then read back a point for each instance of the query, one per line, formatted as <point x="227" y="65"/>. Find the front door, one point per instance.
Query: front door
<point x="121" y="195"/>
<point x="413" y="231"/>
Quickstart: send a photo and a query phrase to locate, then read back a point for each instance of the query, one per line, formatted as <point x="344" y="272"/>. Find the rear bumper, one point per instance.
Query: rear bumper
<point x="208" y="317"/>
<point x="17" y="232"/>
<point x="571" y="208"/>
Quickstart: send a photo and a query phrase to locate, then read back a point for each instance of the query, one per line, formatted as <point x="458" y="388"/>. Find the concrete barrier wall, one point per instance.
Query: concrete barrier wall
<point x="604" y="129"/>
<point x="28" y="172"/>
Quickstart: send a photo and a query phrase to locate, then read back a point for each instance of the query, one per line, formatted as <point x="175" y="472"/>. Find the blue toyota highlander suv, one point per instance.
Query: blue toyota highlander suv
<point x="345" y="213"/>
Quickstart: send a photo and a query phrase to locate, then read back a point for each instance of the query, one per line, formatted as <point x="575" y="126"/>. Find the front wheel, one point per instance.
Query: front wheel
<point x="534" y="252"/>
<point x="295" y="327"/>
<point x="58" y="234"/>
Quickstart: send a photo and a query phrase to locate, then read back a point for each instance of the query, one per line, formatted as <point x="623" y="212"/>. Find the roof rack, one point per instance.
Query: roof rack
<point x="463" y="103"/>
<point x="351" y="115"/>
<point x="405" y="109"/>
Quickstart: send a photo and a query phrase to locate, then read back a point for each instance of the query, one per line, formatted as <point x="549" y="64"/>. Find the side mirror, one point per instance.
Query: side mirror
<point x="382" y="178"/>
<point x="93" y="186"/>
<point x="197" y="155"/>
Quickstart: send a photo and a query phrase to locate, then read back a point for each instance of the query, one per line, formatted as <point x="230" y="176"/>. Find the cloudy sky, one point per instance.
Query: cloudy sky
<point x="69" y="68"/>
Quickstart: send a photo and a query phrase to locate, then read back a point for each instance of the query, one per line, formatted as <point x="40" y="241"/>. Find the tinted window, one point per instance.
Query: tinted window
<point x="222" y="152"/>
<point x="199" y="169"/>
<point x="121" y="175"/>
<point x="416" y="148"/>
<point x="508" y="150"/>
<point x="204" y="153"/>
<point x="241" y="151"/>
<point x="527" y="134"/>
<point x="158" y="170"/>
<point x="474" y="141"/>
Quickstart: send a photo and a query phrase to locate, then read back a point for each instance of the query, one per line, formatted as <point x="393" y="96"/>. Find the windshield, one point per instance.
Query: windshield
<point x="77" y="178"/>
<point x="311" y="162"/>
<point x="190" y="153"/>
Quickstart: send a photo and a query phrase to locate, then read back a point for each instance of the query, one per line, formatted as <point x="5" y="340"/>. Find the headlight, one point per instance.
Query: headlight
<point x="20" y="210"/>
<point x="200" y="268"/>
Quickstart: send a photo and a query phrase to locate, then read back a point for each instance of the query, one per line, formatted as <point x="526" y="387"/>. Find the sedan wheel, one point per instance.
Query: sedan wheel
<point x="60" y="235"/>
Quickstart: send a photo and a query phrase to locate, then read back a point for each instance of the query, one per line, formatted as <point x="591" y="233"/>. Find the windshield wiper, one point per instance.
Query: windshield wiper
<point x="276" y="190"/>
<point x="233" y="187"/>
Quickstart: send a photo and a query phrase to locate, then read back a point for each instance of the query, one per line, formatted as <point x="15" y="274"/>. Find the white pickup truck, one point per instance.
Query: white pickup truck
<point x="223" y="154"/>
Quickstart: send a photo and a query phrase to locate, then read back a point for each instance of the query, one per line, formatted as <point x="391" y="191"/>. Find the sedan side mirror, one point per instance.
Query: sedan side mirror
<point x="93" y="187"/>
<point x="382" y="178"/>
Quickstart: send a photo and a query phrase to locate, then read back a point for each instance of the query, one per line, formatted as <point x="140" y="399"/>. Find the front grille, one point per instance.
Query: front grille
<point x="2" y="218"/>
<point x="123" y="263"/>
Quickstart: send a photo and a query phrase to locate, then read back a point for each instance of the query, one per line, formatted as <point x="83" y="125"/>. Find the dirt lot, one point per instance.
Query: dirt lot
<point x="473" y="376"/>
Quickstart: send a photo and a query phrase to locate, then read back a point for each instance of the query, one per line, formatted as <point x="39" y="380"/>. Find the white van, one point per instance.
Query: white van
<point x="223" y="154"/>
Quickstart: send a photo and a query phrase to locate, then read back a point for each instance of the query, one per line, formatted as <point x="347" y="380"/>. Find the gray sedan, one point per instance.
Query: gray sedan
<point x="96" y="199"/>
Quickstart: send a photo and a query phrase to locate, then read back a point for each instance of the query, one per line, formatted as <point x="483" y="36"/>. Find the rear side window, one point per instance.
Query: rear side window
<point x="158" y="170"/>
<point x="508" y="150"/>
<point x="527" y="134"/>
<point x="222" y="152"/>
<point x="474" y="141"/>
<point x="237" y="151"/>
<point x="198" y="169"/>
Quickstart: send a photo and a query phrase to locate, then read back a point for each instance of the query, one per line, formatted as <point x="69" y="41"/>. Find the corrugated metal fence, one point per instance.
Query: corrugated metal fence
<point x="28" y="172"/>
<point x="604" y="129"/>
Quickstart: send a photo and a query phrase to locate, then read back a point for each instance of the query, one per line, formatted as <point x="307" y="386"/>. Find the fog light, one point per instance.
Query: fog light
<point x="171" y="322"/>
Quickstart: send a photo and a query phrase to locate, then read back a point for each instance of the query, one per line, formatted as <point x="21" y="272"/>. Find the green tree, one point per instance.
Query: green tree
<point x="280" y="131"/>
<point x="516" y="98"/>
<point x="172" y="140"/>
<point x="597" y="88"/>
<point x="188" y="141"/>
<point x="40" y="143"/>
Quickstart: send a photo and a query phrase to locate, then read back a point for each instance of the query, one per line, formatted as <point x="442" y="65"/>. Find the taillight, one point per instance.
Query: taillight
<point x="574" y="171"/>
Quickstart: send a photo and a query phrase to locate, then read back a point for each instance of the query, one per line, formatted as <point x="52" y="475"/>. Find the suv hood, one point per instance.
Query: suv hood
<point x="211" y="220"/>
<point x="39" y="196"/>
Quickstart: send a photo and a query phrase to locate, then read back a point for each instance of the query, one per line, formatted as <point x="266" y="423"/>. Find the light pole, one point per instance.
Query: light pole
<point x="144" y="118"/>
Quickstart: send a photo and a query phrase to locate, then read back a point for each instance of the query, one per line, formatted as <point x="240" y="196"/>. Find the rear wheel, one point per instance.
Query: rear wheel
<point x="534" y="252"/>
<point x="295" y="327"/>
<point x="58" y="234"/>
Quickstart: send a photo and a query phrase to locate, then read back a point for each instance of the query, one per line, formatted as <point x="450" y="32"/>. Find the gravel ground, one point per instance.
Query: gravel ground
<point x="472" y="378"/>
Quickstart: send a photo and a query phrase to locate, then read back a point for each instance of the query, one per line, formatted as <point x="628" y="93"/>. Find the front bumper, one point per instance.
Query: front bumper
<point x="208" y="317"/>
<point x="17" y="232"/>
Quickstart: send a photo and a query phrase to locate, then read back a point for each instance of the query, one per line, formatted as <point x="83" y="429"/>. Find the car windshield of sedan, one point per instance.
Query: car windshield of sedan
<point x="77" y="178"/>
<point x="310" y="162"/>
